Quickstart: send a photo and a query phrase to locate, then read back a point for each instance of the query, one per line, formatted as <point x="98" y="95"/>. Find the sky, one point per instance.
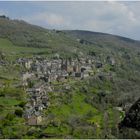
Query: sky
<point x="114" y="17"/>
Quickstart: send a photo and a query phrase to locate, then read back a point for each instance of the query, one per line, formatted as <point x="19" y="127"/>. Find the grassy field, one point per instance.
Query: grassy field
<point x="13" y="51"/>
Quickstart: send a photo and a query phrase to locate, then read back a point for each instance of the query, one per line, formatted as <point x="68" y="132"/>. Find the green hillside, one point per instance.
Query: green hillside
<point x="89" y="108"/>
<point x="23" y="34"/>
<point x="102" y="39"/>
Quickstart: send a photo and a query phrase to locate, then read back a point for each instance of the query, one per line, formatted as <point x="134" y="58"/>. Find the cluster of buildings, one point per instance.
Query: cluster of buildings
<point x="45" y="72"/>
<point x="60" y="69"/>
<point x="37" y="101"/>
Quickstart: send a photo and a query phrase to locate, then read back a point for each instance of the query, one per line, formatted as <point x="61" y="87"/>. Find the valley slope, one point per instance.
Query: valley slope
<point x="93" y="106"/>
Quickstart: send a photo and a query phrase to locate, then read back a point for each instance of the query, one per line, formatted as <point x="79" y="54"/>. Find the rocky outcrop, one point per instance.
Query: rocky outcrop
<point x="132" y="117"/>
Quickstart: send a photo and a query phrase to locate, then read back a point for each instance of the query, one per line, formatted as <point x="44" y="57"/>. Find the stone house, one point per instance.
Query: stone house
<point x="26" y="76"/>
<point x="36" y="68"/>
<point x="89" y="61"/>
<point x="45" y="78"/>
<point x="85" y="74"/>
<point x="64" y="73"/>
<point x="49" y="88"/>
<point x="78" y="74"/>
<point x="25" y="62"/>
<point x="69" y="68"/>
<point x="33" y="102"/>
<point x="39" y="107"/>
<point x="76" y="68"/>
<point x="53" y="77"/>
<point x="34" y="120"/>
<point x="83" y="69"/>
<point x="48" y="64"/>
<point x="64" y="67"/>
<point x="28" y="64"/>
<point x="61" y="79"/>
<point x="44" y="100"/>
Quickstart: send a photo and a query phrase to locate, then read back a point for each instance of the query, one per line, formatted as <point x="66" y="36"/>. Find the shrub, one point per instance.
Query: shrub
<point x="10" y="116"/>
<point x="18" y="112"/>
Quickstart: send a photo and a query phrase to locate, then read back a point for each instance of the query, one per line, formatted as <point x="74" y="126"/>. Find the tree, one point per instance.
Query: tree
<point x="18" y="112"/>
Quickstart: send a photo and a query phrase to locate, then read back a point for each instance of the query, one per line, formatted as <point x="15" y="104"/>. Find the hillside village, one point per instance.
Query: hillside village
<point x="40" y="74"/>
<point x="67" y="83"/>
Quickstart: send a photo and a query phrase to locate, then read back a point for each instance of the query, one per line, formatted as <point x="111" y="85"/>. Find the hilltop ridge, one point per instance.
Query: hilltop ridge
<point x="24" y="34"/>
